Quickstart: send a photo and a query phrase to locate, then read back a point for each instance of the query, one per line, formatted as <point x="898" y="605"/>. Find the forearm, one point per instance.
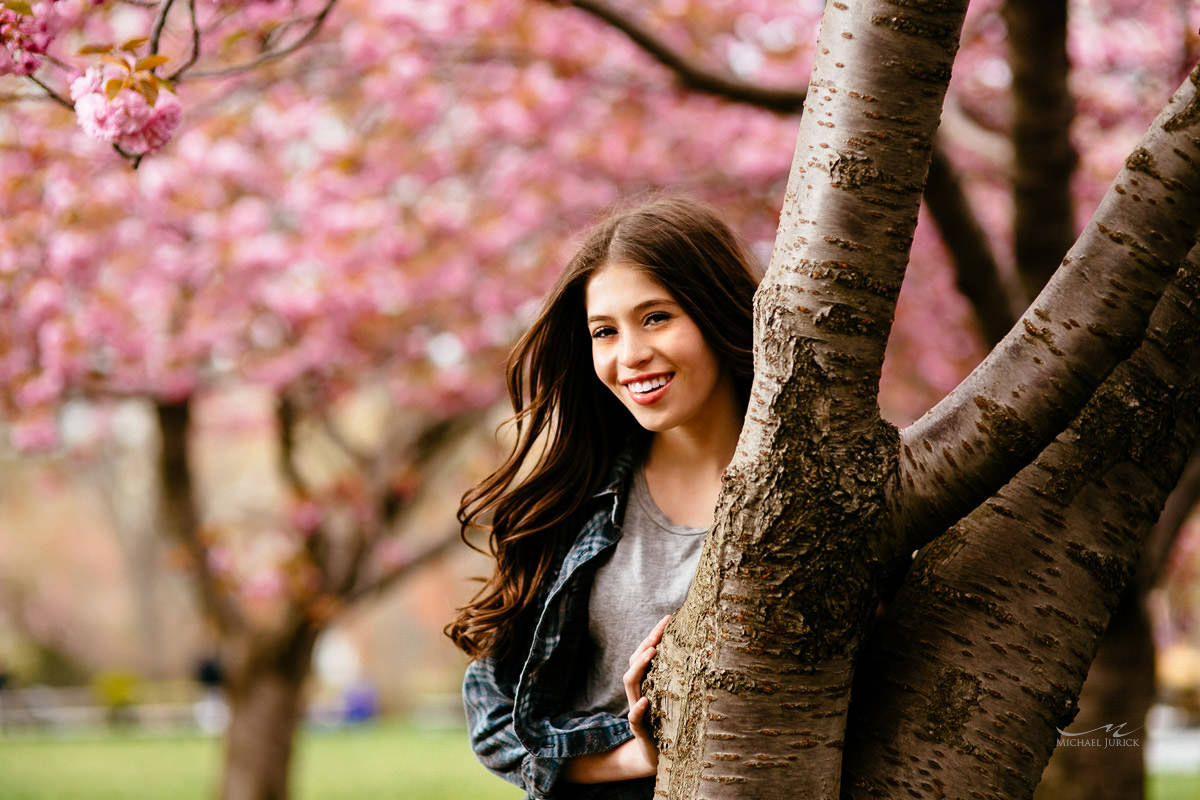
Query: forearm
<point x="627" y="761"/>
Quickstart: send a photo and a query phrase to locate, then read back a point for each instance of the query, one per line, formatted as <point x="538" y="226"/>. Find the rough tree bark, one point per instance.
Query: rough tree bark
<point x="751" y="685"/>
<point x="1121" y="686"/>
<point x="752" y="682"/>
<point x="980" y="660"/>
<point x="1118" y="691"/>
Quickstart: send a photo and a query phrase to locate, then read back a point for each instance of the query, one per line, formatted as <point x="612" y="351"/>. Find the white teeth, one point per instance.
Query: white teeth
<point x="650" y="385"/>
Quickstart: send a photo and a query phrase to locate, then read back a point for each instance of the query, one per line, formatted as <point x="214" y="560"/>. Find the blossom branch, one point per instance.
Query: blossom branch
<point x="788" y="101"/>
<point x="160" y="22"/>
<point x="195" y="52"/>
<point x="53" y="95"/>
<point x="274" y="55"/>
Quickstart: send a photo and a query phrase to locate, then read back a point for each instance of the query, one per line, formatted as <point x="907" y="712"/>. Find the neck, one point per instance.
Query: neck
<point x="702" y="449"/>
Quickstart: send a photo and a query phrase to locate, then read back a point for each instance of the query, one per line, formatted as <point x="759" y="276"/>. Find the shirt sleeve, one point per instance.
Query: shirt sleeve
<point x="488" y="701"/>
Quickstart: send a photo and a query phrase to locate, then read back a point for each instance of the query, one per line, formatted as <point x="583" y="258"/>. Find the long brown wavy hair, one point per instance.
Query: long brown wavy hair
<point x="569" y="427"/>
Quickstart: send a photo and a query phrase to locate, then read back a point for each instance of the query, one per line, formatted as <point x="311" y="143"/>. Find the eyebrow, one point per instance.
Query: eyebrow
<point x="642" y="306"/>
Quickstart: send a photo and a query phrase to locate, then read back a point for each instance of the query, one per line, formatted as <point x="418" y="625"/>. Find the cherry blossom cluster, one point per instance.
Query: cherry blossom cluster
<point x="392" y="200"/>
<point x="394" y="197"/>
<point x="26" y="32"/>
<point x="126" y="117"/>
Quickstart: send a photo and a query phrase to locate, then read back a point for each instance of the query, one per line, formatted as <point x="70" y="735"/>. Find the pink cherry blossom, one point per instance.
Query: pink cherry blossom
<point x="24" y="39"/>
<point x="127" y="120"/>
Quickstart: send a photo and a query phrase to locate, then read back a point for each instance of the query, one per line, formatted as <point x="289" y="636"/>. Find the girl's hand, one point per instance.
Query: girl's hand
<point x="638" y="757"/>
<point x="639" y="706"/>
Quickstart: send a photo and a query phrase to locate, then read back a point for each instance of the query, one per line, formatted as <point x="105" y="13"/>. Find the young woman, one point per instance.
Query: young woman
<point x="629" y="392"/>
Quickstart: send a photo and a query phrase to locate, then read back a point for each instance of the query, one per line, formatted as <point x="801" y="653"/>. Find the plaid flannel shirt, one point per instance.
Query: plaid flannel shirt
<point x="521" y="725"/>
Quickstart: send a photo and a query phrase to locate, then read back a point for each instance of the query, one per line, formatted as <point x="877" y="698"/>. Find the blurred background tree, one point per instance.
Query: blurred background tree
<point x="338" y="200"/>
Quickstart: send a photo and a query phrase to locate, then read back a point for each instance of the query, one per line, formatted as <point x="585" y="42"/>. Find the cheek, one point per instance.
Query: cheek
<point x="701" y="356"/>
<point x="600" y="364"/>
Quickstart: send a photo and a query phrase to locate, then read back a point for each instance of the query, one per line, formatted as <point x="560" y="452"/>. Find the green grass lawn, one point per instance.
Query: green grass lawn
<point x="387" y="761"/>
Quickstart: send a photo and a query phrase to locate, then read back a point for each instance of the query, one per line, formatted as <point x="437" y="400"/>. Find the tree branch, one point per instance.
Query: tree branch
<point x="1027" y="583"/>
<point x="391" y="501"/>
<point x="286" y="419"/>
<point x="975" y="267"/>
<point x="361" y="460"/>
<point x="160" y="22"/>
<point x="978" y="275"/>
<point x="1044" y="158"/>
<point x="788" y="578"/>
<point x="194" y="54"/>
<point x="318" y="20"/>
<point x="179" y="516"/>
<point x="53" y="95"/>
<point x="787" y="101"/>
<point x="1090" y="316"/>
<point x="398" y="572"/>
<point x="1166" y="530"/>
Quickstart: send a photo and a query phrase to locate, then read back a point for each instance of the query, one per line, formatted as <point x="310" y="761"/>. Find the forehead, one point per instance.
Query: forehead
<point x="619" y="287"/>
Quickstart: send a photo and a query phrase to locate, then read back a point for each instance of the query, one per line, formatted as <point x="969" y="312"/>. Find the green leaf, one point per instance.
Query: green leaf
<point x="150" y="62"/>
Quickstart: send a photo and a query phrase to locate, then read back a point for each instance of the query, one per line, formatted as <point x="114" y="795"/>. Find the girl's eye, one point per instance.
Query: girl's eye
<point x="601" y="333"/>
<point x="657" y="317"/>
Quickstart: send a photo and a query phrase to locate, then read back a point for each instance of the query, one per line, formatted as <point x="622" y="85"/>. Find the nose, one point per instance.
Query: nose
<point x="635" y="349"/>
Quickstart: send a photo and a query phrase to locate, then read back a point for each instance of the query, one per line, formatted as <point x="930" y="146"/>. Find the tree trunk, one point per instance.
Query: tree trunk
<point x="266" y="706"/>
<point x="1043" y="156"/>
<point x="1119" y="690"/>
<point x="976" y="272"/>
<point x="752" y="680"/>
<point x="1120" y="686"/>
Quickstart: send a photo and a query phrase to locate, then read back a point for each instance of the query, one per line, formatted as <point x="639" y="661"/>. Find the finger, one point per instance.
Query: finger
<point x="655" y="635"/>
<point x="637" y="712"/>
<point x="636" y="672"/>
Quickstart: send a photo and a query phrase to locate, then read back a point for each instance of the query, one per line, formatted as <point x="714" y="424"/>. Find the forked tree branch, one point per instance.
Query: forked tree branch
<point x="1091" y="316"/>
<point x="270" y="55"/>
<point x="1026" y="584"/>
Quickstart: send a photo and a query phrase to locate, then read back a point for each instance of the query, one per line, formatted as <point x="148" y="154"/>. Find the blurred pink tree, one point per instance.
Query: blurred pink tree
<point x="326" y="192"/>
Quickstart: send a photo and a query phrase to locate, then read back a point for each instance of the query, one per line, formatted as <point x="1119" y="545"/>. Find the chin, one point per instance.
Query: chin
<point x="655" y="425"/>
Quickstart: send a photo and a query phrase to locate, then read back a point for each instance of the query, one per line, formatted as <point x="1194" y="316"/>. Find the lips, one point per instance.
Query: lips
<point x="647" y="391"/>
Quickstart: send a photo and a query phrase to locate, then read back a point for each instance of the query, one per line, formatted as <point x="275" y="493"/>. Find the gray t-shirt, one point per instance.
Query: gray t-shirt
<point x="646" y="578"/>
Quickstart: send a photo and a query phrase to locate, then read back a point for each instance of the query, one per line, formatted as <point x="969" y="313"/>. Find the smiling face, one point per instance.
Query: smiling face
<point x="652" y="355"/>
